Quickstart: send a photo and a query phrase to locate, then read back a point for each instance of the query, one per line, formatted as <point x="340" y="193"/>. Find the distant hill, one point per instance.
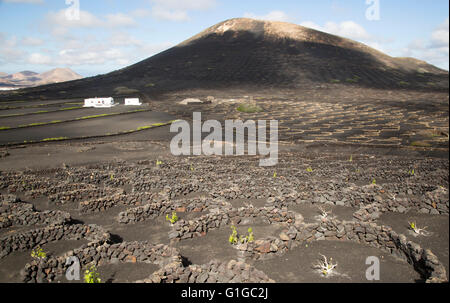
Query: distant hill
<point x="58" y="75"/>
<point x="30" y="79"/>
<point x="247" y="54"/>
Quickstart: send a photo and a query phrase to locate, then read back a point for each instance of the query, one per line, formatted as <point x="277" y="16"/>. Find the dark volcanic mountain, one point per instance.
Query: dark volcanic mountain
<point x="251" y="53"/>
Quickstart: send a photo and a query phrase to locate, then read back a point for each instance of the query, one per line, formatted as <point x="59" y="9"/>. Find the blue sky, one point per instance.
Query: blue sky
<point x="39" y="35"/>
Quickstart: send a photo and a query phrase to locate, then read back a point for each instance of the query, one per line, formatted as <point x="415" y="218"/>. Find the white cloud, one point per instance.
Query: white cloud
<point x="37" y="58"/>
<point x="31" y="41"/>
<point x="434" y="50"/>
<point x="140" y="13"/>
<point x="60" y="24"/>
<point x="24" y="1"/>
<point x="348" y="29"/>
<point x="59" y="20"/>
<point x="123" y="39"/>
<point x="186" y="5"/>
<point x="439" y="37"/>
<point x="9" y="51"/>
<point x="119" y="20"/>
<point x="271" y="16"/>
<point x="178" y="10"/>
<point x="161" y="13"/>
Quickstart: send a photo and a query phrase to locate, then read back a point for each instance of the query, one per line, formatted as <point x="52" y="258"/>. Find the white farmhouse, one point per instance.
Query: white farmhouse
<point x="132" y="101"/>
<point x="99" y="102"/>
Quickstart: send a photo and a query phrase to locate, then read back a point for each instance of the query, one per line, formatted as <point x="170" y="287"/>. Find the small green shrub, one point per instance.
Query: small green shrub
<point x="38" y="253"/>
<point x="235" y="238"/>
<point x="172" y="219"/>
<point x="420" y="231"/>
<point x="91" y="275"/>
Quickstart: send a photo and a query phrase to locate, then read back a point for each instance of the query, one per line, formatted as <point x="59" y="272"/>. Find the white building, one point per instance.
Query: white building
<point x="99" y="102"/>
<point x="132" y="101"/>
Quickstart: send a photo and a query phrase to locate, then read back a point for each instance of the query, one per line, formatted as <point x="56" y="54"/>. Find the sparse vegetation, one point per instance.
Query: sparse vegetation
<point x="235" y="238"/>
<point x="403" y="83"/>
<point x="123" y="90"/>
<point x="54" y="139"/>
<point x="71" y="108"/>
<point x="76" y="119"/>
<point x="248" y="108"/>
<point x="95" y="116"/>
<point x="335" y="81"/>
<point x="38" y="253"/>
<point x="420" y="144"/>
<point x="419" y="231"/>
<point x="144" y="127"/>
<point x="91" y="275"/>
<point x="354" y="79"/>
<point x="324" y="267"/>
<point x="172" y="219"/>
<point x="309" y="170"/>
<point x="158" y="124"/>
<point x="324" y="214"/>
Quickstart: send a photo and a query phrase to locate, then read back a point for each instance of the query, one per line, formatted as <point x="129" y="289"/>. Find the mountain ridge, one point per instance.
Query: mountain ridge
<point x="250" y="53"/>
<point x="30" y="78"/>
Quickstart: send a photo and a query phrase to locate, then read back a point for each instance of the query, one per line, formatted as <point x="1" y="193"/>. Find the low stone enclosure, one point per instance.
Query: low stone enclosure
<point x="99" y="251"/>
<point x="13" y="212"/>
<point x="150" y="191"/>
<point x="297" y="232"/>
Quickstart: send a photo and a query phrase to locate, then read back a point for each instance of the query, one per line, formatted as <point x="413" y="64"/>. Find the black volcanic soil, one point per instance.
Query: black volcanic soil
<point x="89" y="127"/>
<point x="371" y="116"/>
<point x="296" y="266"/>
<point x="331" y="168"/>
<point x="15" y="121"/>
